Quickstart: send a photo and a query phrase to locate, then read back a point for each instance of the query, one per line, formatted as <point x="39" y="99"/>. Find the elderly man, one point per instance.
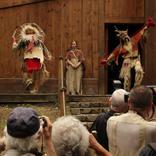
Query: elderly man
<point x="129" y="132"/>
<point x="24" y="131"/>
<point x="117" y="105"/>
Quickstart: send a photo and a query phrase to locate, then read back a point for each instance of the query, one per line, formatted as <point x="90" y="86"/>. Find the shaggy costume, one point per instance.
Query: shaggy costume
<point x="28" y="40"/>
<point x="128" y="48"/>
<point x="130" y="53"/>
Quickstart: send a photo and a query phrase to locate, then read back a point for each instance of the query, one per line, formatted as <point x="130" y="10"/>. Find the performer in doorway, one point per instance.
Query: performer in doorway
<point x="28" y="40"/>
<point x="128" y="48"/>
<point x="75" y="69"/>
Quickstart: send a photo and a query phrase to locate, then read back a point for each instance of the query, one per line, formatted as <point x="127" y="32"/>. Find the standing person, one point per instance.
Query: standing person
<point x="128" y="49"/>
<point x="129" y="132"/>
<point x="75" y="69"/>
<point x="117" y="105"/>
<point x="28" y="40"/>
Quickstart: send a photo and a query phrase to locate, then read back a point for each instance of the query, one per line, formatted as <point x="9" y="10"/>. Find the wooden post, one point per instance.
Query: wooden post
<point x="61" y="91"/>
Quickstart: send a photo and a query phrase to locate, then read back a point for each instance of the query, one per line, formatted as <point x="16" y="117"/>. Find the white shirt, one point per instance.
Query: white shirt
<point x="128" y="133"/>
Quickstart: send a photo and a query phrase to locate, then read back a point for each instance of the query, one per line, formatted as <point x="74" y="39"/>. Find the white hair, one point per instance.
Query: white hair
<point x="16" y="146"/>
<point x="118" y="100"/>
<point x="15" y="152"/>
<point x="70" y="137"/>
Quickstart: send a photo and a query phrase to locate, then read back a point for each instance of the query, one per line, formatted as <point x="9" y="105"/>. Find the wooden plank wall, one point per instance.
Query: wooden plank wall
<point x="63" y="21"/>
<point x="124" y="11"/>
<point x="150" y="55"/>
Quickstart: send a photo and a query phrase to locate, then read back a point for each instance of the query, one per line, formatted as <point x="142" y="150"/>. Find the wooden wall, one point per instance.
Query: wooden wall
<point x="63" y="21"/>
<point x="124" y="11"/>
<point x="150" y="55"/>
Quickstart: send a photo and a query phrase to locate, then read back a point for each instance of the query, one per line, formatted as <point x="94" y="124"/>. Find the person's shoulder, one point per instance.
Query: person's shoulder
<point x="117" y="117"/>
<point x="150" y="128"/>
<point x="151" y="124"/>
<point x="114" y="118"/>
<point x="101" y="116"/>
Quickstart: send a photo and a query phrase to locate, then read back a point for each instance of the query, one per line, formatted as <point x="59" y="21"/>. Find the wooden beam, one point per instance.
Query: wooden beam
<point x="125" y="20"/>
<point x="102" y="71"/>
<point x="13" y="3"/>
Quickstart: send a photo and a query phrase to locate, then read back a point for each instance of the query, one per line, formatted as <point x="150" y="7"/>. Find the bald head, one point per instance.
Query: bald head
<point x="118" y="103"/>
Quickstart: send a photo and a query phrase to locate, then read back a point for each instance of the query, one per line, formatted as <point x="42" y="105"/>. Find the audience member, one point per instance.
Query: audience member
<point x="71" y="138"/>
<point x="24" y="131"/>
<point x="129" y="132"/>
<point x="117" y="105"/>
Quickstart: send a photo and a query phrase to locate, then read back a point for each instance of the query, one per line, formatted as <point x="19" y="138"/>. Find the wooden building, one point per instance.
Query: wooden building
<point x="87" y="21"/>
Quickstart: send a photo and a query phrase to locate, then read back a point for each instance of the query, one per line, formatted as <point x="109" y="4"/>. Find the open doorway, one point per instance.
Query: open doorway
<point x="111" y="43"/>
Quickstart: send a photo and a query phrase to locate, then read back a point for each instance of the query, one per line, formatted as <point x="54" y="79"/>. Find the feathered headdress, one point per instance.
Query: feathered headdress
<point x="26" y="33"/>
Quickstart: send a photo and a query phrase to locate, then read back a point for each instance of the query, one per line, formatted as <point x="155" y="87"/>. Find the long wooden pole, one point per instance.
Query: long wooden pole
<point x="62" y="101"/>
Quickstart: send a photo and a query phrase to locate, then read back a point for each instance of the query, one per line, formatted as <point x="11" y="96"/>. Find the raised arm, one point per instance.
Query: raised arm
<point x="47" y="130"/>
<point x="113" y="56"/>
<point x="97" y="147"/>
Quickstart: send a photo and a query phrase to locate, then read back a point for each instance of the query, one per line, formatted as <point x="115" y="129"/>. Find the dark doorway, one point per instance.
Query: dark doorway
<point x="111" y="43"/>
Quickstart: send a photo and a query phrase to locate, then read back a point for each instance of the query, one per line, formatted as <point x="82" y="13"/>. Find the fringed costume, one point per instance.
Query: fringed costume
<point x="28" y="40"/>
<point x="74" y="73"/>
<point x="128" y="48"/>
<point x="129" y="51"/>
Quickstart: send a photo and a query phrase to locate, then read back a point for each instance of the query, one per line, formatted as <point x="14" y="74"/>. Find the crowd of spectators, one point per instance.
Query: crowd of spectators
<point x="125" y="130"/>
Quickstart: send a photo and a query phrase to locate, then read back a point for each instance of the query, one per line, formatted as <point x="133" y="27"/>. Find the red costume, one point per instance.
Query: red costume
<point x="128" y="48"/>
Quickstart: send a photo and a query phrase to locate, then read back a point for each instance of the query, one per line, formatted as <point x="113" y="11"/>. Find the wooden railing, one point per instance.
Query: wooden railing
<point x="61" y="89"/>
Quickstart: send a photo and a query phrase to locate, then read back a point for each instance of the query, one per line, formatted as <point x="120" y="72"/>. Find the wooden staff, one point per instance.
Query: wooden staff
<point x="61" y="92"/>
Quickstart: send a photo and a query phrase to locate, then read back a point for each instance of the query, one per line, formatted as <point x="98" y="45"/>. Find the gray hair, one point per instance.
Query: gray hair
<point x="17" y="146"/>
<point x="70" y="137"/>
<point x="15" y="152"/>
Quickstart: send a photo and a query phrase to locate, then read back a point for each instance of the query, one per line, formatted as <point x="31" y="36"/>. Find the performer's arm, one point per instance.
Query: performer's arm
<point x="46" y="52"/>
<point x="81" y="59"/>
<point x="14" y="45"/>
<point x="137" y="37"/>
<point x="113" y="55"/>
<point x="110" y="57"/>
<point x="68" y="62"/>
